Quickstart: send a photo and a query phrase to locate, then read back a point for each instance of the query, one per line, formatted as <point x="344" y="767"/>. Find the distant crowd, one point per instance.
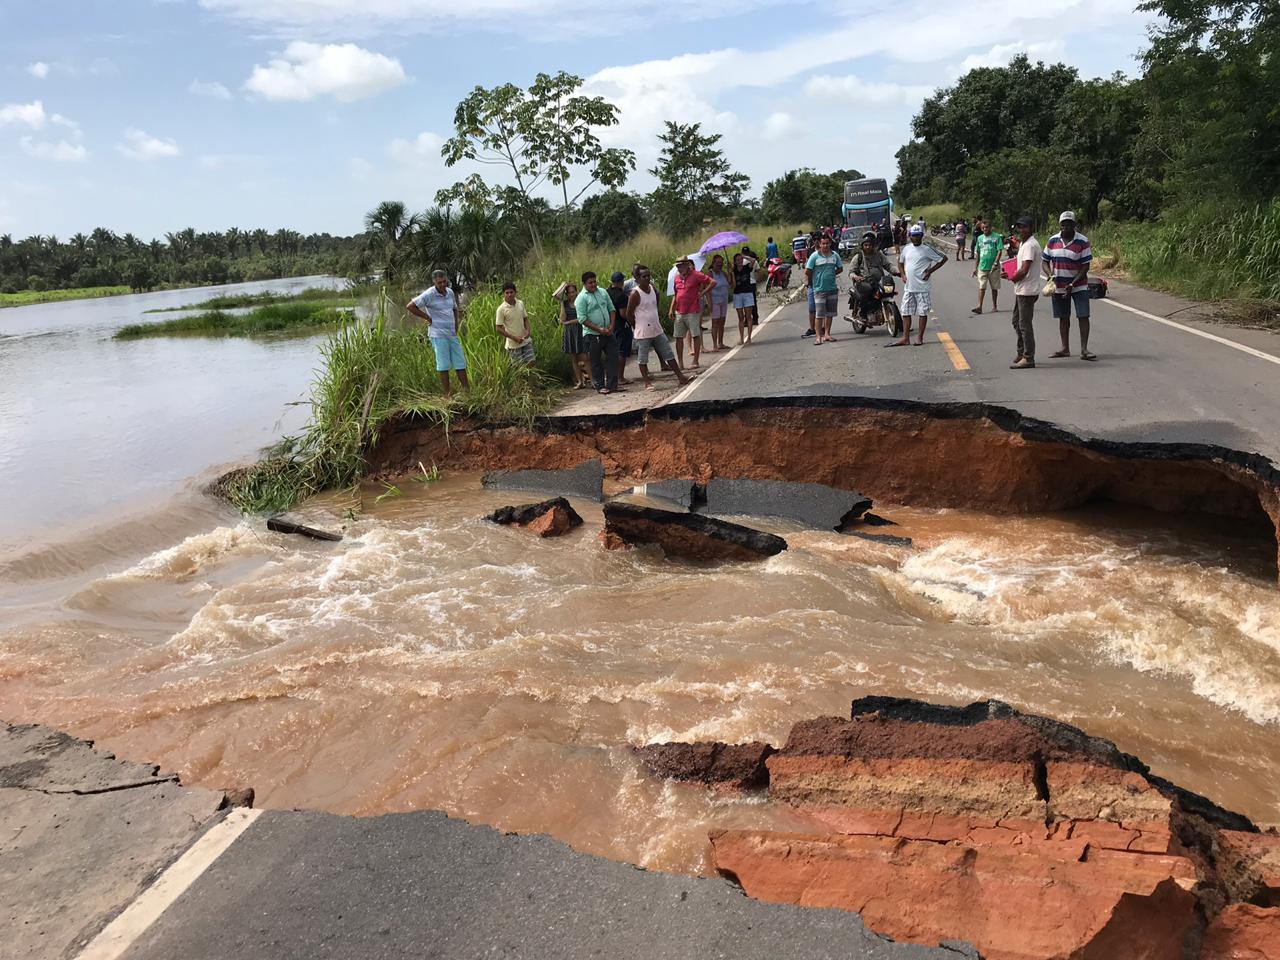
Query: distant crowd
<point x="602" y="327"/>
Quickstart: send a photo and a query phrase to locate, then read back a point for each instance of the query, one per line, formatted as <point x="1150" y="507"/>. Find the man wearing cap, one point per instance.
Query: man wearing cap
<point x="1066" y="261"/>
<point x="917" y="263"/>
<point x="685" y="312"/>
<point x="1026" y="287"/>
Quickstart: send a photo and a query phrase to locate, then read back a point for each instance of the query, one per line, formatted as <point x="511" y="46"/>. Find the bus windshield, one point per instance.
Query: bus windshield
<point x="866" y="203"/>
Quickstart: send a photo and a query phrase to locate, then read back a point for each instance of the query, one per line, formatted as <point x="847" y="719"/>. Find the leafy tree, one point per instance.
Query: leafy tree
<point x="388" y="226"/>
<point x="1027" y="180"/>
<point x="543" y="135"/>
<point x="611" y="217"/>
<point x="804" y="196"/>
<point x="695" y="181"/>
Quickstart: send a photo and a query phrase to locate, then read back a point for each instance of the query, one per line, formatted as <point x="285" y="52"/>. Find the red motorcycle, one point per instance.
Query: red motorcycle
<point x="779" y="275"/>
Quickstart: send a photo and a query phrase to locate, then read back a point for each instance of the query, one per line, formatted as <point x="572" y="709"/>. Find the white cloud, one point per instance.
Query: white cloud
<point x="308" y="70"/>
<point x="779" y="125"/>
<point x="422" y="151"/>
<point x="39" y="69"/>
<point x="1002" y="53"/>
<point x="210" y="89"/>
<point x="866" y="92"/>
<point x="138" y="145"/>
<point x="25" y="114"/>
<point x="60" y="151"/>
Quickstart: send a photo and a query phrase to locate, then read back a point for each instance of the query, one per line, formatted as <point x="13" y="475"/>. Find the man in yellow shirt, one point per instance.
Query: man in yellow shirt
<point x="512" y="321"/>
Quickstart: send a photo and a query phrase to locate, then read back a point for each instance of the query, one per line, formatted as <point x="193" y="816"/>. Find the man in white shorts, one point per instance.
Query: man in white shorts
<point x="642" y="308"/>
<point x="918" y="262"/>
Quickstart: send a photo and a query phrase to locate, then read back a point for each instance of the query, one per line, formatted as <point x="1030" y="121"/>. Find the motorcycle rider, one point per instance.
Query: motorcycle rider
<point x="866" y="268"/>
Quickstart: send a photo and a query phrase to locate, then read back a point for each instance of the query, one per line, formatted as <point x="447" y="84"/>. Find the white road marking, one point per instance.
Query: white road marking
<point x="705" y="375"/>
<point x="1261" y="355"/>
<point x="121" y="933"/>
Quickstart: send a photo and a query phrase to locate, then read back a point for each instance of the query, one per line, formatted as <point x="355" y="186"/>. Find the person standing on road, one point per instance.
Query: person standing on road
<point x="988" y="246"/>
<point x="744" y="297"/>
<point x="917" y="264"/>
<point x="642" y="310"/>
<point x="721" y="293"/>
<point x="595" y="313"/>
<point x="685" y="311"/>
<point x="1066" y="262"/>
<point x="962" y="234"/>
<point x="821" y="270"/>
<point x="571" y="340"/>
<point x="512" y="321"/>
<point x="439" y="307"/>
<point x="1026" y="287"/>
<point x="618" y="294"/>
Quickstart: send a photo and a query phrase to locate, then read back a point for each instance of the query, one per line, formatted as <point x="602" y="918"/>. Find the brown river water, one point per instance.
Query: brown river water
<point x="434" y="660"/>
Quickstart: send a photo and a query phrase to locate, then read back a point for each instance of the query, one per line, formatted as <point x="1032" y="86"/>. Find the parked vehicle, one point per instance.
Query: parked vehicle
<point x="779" y="277"/>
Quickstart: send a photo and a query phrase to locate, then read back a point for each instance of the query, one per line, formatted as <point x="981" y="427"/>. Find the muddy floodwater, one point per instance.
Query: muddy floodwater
<point x="434" y="660"/>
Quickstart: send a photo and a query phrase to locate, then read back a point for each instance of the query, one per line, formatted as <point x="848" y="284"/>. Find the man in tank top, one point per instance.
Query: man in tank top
<point x="642" y="308"/>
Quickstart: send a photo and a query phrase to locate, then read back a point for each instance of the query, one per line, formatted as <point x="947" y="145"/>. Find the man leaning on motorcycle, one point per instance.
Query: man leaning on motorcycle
<point x="866" y="268"/>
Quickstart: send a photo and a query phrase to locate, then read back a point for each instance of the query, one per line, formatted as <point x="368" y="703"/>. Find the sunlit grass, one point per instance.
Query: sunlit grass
<point x="25" y="298"/>
<point x="296" y="319"/>
<point x="232" y="301"/>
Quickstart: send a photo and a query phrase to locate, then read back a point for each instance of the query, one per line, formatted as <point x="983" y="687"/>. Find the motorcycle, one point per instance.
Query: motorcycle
<point x="882" y="310"/>
<point x="779" y="277"/>
<point x="943" y="230"/>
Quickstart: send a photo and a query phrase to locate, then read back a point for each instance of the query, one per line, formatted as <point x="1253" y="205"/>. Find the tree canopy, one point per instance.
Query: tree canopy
<point x="695" y="181"/>
<point x="806" y="196"/>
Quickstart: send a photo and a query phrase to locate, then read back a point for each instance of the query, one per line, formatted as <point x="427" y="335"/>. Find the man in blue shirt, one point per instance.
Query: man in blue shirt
<point x="439" y="308"/>
<point x="821" y="270"/>
<point x="770" y="250"/>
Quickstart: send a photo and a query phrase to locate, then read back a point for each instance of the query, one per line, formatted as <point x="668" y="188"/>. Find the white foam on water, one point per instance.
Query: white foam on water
<point x="195" y="553"/>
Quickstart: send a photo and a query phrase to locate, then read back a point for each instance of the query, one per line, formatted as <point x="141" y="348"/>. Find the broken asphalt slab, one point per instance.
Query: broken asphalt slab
<point x="684" y="492"/>
<point x="812" y="504"/>
<point x="81" y="835"/>
<point x="688" y="535"/>
<point x="414" y="885"/>
<point x="585" y="481"/>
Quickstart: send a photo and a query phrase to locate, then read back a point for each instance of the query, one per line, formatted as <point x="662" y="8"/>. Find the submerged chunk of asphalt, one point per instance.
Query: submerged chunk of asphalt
<point x="886" y="538"/>
<point x="529" y="512"/>
<point x="813" y="504"/>
<point x="683" y="492"/>
<point x="875" y="520"/>
<point x="586" y="480"/>
<point x="689" y="535"/>
<point x="281" y="525"/>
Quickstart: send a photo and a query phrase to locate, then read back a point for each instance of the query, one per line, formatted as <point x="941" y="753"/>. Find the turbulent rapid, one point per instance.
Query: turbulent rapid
<point x="434" y="660"/>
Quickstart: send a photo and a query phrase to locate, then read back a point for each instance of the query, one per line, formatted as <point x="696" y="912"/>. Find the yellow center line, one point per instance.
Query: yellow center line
<point x="957" y="358"/>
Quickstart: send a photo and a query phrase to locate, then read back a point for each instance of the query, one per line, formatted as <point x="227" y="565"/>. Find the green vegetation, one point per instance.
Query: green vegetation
<point x="805" y="196"/>
<point x="294" y="319"/>
<point x="695" y="181"/>
<point x="345" y="297"/>
<point x="932" y="212"/>
<point x="27" y="297"/>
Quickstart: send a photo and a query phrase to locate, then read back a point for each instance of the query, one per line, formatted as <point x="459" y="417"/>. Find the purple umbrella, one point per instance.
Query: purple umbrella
<point x="725" y="238"/>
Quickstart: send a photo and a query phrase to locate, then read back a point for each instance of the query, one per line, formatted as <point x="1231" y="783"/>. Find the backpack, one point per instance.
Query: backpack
<point x="1097" y="288"/>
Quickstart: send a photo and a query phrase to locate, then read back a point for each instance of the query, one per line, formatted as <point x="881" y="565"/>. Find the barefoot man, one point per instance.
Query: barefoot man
<point x="642" y="307"/>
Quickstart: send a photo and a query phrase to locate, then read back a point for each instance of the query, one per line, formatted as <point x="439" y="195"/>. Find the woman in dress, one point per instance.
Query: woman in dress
<point x="572" y="341"/>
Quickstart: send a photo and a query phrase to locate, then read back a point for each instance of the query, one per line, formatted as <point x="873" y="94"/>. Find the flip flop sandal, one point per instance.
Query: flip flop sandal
<point x="1058" y="355"/>
<point x="1086" y="355"/>
<point x="976" y="310"/>
<point x="895" y="343"/>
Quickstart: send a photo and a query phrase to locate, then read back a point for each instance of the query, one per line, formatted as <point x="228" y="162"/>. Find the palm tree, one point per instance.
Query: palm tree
<point x="234" y="238"/>
<point x="389" y="225"/>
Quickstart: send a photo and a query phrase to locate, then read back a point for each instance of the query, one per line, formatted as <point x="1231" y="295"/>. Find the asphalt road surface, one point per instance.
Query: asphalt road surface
<point x="1163" y="374"/>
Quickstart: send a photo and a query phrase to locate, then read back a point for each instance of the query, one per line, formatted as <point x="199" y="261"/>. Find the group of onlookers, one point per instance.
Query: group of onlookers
<point x="603" y="326"/>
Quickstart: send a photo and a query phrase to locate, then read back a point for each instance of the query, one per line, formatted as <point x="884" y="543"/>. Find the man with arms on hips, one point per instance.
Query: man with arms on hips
<point x="821" y="270"/>
<point x="439" y="307"/>
<point x="512" y="321"/>
<point x="1066" y="260"/>
<point x="1026" y="287"/>
<point x="989" y="247"/>
<point x="917" y="263"/>
<point x="685" y="312"/>
<point x="642" y="309"/>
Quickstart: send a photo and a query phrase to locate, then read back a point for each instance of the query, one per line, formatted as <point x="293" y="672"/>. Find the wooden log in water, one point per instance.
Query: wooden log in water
<point x="281" y="525"/>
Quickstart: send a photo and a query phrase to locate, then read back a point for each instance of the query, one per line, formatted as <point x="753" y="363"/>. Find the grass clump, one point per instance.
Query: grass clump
<point x="24" y="298"/>
<point x="233" y="301"/>
<point x="933" y="213"/>
<point x="296" y="319"/>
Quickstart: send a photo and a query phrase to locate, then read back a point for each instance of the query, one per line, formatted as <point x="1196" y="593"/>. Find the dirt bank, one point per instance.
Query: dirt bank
<point x="976" y="456"/>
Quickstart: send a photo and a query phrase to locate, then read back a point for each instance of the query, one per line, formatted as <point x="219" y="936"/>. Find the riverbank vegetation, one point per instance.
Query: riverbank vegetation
<point x="345" y="296"/>
<point x="26" y="298"/>
<point x="1176" y="171"/>
<point x="272" y="319"/>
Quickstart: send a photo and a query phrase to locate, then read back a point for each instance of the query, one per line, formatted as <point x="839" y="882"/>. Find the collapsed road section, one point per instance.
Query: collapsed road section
<point x="963" y="455"/>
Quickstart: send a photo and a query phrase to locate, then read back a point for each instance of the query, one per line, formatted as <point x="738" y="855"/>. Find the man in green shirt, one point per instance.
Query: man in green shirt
<point x="598" y="317"/>
<point x="989" y="246"/>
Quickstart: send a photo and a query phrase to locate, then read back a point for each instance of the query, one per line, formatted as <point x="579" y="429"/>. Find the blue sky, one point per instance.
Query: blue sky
<point x="152" y="115"/>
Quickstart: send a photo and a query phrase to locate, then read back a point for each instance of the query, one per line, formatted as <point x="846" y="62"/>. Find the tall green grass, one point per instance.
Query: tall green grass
<point x="234" y="301"/>
<point x="297" y="319"/>
<point x="371" y="373"/>
<point x="1205" y="253"/>
<point x="25" y="298"/>
<point x="932" y="213"/>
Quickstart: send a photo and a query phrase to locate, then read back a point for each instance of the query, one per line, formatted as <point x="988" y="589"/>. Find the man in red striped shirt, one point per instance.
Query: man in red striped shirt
<point x="1067" y="256"/>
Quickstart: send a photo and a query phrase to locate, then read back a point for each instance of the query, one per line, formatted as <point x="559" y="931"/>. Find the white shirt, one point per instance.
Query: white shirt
<point x="646" y="315"/>
<point x="1029" y="286"/>
<point x="916" y="260"/>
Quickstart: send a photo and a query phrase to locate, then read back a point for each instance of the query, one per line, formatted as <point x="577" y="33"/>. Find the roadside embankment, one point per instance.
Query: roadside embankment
<point x="977" y="456"/>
